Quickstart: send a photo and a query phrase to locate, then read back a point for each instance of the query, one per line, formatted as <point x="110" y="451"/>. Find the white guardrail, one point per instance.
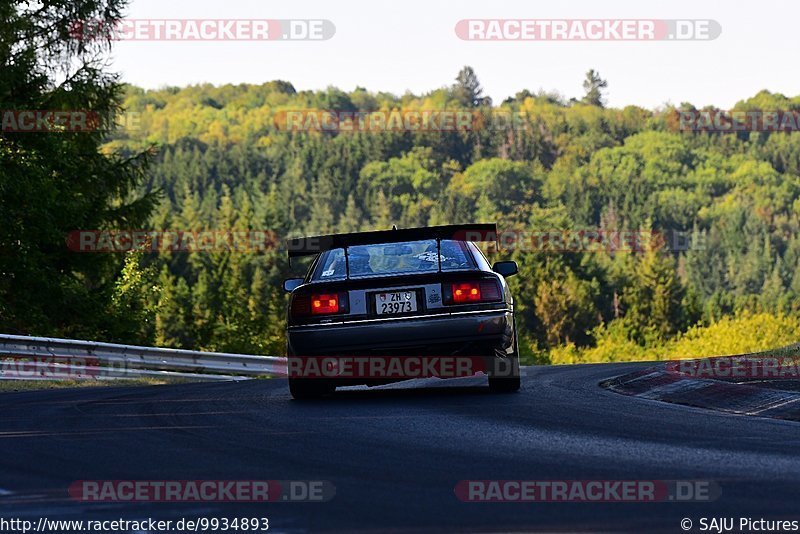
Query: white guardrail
<point x="43" y="358"/>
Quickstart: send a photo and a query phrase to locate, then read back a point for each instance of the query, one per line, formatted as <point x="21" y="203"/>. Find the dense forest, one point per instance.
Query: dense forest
<point x="219" y="158"/>
<point x="224" y="162"/>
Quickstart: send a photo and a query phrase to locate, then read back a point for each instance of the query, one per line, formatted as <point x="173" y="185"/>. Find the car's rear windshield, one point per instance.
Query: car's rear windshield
<point x="393" y="258"/>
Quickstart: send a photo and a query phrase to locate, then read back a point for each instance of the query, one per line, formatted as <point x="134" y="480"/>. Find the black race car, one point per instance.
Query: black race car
<point x="377" y="307"/>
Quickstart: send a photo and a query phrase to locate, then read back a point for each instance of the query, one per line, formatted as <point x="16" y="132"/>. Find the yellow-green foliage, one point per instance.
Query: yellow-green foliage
<point x="737" y="335"/>
<point x="745" y="333"/>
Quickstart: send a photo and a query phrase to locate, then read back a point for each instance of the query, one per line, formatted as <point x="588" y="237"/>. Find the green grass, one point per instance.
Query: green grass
<point x="7" y="386"/>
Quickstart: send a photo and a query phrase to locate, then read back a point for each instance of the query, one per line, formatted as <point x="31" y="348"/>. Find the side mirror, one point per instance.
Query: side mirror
<point x="506" y="268"/>
<point x="290" y="284"/>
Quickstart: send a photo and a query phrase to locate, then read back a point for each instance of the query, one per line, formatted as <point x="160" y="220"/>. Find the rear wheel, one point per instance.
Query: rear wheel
<point x="505" y="377"/>
<point x="310" y="388"/>
<point x="507" y="384"/>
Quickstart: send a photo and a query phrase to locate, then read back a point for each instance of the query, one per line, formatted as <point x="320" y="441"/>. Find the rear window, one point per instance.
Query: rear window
<point x="393" y="258"/>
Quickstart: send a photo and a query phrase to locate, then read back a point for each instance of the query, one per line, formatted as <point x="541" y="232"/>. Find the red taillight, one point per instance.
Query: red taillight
<point x="324" y="304"/>
<point x="305" y="305"/>
<point x="472" y="292"/>
<point x="466" y="292"/>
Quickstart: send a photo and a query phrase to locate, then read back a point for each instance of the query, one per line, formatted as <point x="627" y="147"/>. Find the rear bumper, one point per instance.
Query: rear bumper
<point x="455" y="333"/>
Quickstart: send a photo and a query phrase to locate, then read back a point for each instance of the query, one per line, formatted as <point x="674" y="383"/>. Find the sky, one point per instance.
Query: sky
<point x="412" y="45"/>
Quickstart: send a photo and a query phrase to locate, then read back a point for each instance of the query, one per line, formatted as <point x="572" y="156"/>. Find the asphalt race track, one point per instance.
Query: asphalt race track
<point x="395" y="454"/>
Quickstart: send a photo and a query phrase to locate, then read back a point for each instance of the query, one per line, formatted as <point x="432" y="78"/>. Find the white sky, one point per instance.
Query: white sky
<point x="411" y="45"/>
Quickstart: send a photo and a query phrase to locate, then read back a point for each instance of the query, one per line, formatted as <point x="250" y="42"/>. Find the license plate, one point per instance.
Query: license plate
<point x="396" y="302"/>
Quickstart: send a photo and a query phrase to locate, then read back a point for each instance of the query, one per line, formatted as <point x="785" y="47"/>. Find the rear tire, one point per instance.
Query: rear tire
<point x="508" y="381"/>
<point x="310" y="388"/>
<point x="504" y="384"/>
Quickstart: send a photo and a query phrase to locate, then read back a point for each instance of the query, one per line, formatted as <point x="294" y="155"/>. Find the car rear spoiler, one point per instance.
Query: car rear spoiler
<point x="307" y="246"/>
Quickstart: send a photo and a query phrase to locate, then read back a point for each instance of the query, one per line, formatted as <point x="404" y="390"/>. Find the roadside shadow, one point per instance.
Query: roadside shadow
<point x="424" y="392"/>
<point x="408" y="393"/>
